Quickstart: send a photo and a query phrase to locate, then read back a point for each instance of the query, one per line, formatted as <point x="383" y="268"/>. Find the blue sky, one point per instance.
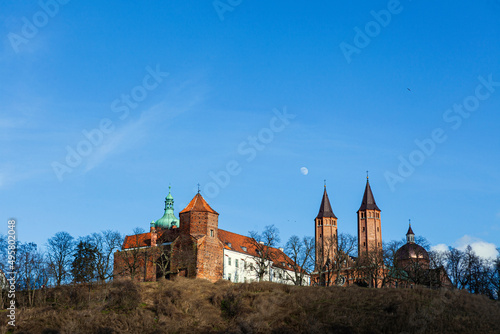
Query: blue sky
<point x="183" y="93"/>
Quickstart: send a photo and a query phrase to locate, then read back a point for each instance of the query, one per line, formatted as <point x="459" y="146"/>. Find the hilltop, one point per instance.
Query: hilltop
<point x="188" y="305"/>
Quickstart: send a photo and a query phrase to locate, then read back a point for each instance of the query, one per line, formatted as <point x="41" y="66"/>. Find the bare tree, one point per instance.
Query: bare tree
<point x="106" y="243"/>
<point x="323" y="260"/>
<point x="31" y="270"/>
<point x="370" y="268"/>
<point x="346" y="247"/>
<point x="263" y="244"/>
<point x="454" y="267"/>
<point x="135" y="256"/>
<point x="495" y="276"/>
<point x="437" y="259"/>
<point x="60" y="255"/>
<point x="300" y="257"/>
<point x="342" y="248"/>
<point x="394" y="273"/>
<point x="163" y="259"/>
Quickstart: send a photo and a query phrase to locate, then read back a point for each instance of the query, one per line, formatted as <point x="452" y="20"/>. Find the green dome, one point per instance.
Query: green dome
<point x="168" y="220"/>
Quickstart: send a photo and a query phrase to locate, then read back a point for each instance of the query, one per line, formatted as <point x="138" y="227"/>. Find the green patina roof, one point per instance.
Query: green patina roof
<point x="168" y="220"/>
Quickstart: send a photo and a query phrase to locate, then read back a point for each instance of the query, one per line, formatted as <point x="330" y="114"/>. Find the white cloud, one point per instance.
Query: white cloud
<point x="439" y="248"/>
<point x="480" y="247"/>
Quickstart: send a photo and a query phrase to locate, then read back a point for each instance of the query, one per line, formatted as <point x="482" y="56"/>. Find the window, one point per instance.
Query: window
<point x="244" y="248"/>
<point x="236" y="265"/>
<point x="229" y="276"/>
<point x="236" y="278"/>
<point x="211" y="233"/>
<point x="364" y="243"/>
<point x="229" y="245"/>
<point x="363" y="228"/>
<point x="228" y="261"/>
<point x="245" y="279"/>
<point x="378" y="229"/>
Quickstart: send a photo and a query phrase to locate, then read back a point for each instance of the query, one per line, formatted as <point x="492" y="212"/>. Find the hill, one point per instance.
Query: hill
<point x="187" y="306"/>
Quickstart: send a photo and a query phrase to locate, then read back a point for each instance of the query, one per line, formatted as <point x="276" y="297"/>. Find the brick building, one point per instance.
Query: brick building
<point x="336" y="265"/>
<point x="194" y="246"/>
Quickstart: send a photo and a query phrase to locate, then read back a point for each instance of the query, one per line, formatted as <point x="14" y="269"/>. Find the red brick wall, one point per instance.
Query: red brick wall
<point x="210" y="259"/>
<point x="326" y="239"/>
<point x="369" y="232"/>
<point x="183" y="261"/>
<point x="145" y="269"/>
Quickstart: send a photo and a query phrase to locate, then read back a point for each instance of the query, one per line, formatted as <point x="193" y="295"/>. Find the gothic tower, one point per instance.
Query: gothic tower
<point x="369" y="225"/>
<point x="325" y="232"/>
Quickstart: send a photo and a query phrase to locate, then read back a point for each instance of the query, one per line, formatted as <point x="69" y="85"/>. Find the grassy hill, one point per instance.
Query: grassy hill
<point x="187" y="306"/>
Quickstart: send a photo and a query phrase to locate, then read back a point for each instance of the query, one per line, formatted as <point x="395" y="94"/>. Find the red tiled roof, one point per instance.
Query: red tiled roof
<point x="137" y="240"/>
<point x="239" y="241"/>
<point x="198" y="204"/>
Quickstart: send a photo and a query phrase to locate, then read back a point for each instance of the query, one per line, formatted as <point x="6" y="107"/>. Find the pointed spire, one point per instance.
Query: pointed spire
<point x="368" y="202"/>
<point x="410" y="236"/>
<point x="325" y="210"/>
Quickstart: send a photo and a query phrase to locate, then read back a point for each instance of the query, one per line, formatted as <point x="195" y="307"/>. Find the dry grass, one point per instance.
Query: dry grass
<point x="187" y="306"/>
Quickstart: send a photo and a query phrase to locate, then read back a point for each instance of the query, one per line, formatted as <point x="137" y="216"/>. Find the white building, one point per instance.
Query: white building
<point x="241" y="261"/>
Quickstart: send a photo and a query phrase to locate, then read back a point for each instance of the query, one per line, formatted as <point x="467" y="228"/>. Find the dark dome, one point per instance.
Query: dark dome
<point x="411" y="251"/>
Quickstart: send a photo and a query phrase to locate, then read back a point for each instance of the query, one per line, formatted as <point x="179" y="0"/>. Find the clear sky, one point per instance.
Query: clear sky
<point x="104" y="104"/>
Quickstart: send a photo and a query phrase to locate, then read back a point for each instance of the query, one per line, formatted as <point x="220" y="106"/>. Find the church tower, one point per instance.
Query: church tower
<point x="325" y="232"/>
<point x="369" y="225"/>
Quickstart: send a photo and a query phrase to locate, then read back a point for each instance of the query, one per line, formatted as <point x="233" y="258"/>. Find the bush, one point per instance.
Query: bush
<point x="123" y="295"/>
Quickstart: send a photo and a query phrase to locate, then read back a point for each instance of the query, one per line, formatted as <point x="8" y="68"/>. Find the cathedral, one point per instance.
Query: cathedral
<point x="335" y="263"/>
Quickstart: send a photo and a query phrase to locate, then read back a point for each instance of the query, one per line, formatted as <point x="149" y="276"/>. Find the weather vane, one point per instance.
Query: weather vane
<point x="325" y="182"/>
<point x="409" y="221"/>
<point x="367" y="175"/>
<point x="198" y="188"/>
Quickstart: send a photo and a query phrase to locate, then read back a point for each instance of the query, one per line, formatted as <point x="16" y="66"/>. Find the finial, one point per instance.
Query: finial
<point x="367" y="175"/>
<point x="325" y="182"/>
<point x="169" y="186"/>
<point x="198" y="188"/>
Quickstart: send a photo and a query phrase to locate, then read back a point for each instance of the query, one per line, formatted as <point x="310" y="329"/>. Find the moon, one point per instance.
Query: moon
<point x="304" y="171"/>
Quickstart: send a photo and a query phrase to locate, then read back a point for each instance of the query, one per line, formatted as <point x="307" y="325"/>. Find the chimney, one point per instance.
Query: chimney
<point x="281" y="249"/>
<point x="154" y="235"/>
<point x="261" y="242"/>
